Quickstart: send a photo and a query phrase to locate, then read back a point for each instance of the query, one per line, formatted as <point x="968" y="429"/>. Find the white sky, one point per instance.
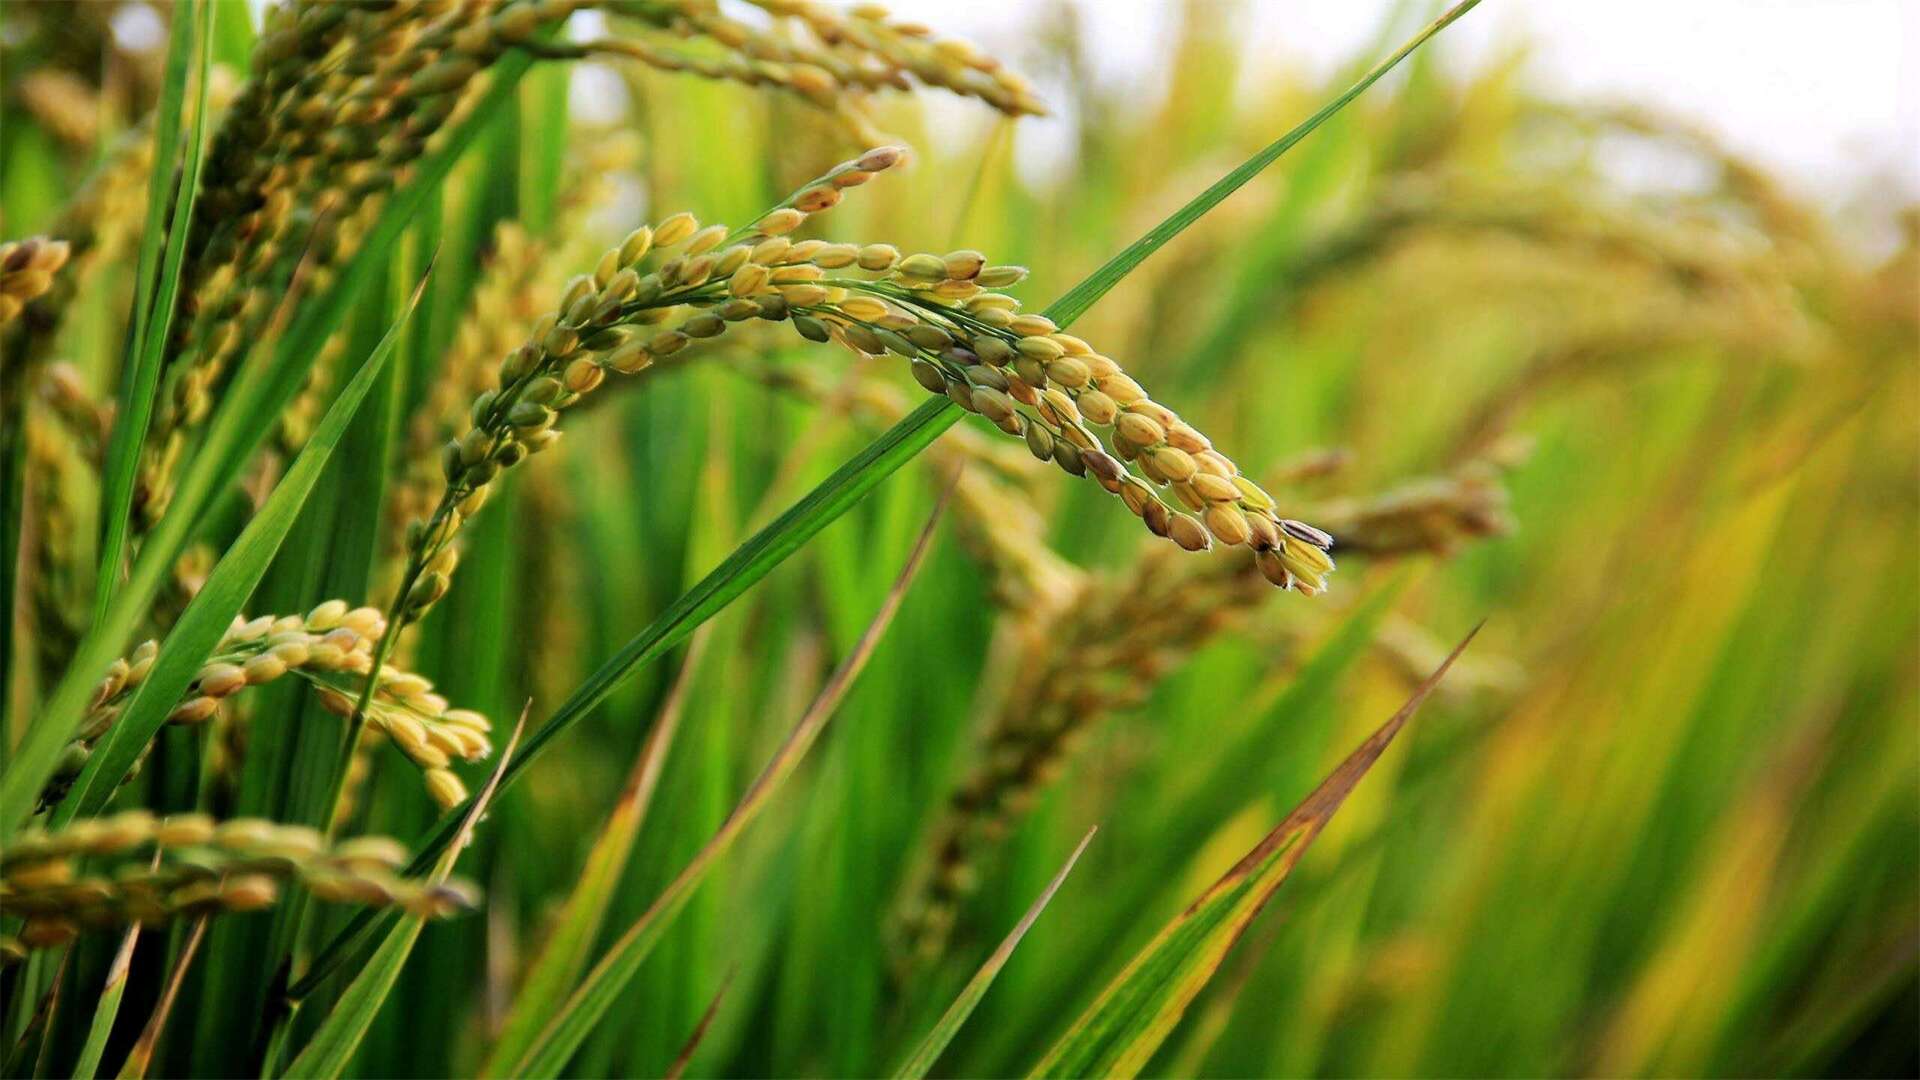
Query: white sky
<point x="1826" y="90"/>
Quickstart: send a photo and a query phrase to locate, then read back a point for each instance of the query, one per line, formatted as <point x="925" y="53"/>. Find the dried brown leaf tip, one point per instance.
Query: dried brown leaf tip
<point x="330" y="648"/>
<point x="135" y="867"/>
<point x="26" y="272"/>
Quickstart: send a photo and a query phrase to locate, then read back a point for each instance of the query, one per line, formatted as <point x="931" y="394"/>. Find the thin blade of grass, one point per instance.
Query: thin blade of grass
<point x="188" y="57"/>
<point x="141" y="1056"/>
<point x="35" y="1032"/>
<point x="107" y="1010"/>
<point x="333" y="1045"/>
<point x="1120" y="1031"/>
<point x="834" y="496"/>
<point x="565" y="954"/>
<point x="921" y="1062"/>
<point x="212" y="610"/>
<point x="575" y="1020"/>
<point x="685" y="1057"/>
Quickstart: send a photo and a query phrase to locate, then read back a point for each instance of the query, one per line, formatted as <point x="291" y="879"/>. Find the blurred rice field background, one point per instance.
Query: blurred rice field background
<point x="1661" y="818"/>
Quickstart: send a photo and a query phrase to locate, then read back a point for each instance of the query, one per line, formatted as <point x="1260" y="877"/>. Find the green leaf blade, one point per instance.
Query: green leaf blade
<point x="922" y="1060"/>
<point x="160" y="272"/>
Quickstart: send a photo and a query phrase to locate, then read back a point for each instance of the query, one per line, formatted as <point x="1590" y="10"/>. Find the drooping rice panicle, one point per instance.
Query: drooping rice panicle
<point x="829" y="56"/>
<point x="98" y="873"/>
<point x="346" y="96"/>
<point x="960" y="339"/>
<point x="330" y="648"/>
<point x="865" y="44"/>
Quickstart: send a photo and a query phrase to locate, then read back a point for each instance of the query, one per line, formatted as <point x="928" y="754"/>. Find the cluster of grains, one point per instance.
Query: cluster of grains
<point x="1052" y="389"/>
<point x="26" y="272"/>
<point x="327" y="648"/>
<point x="820" y="51"/>
<point x="343" y="98"/>
<point x="135" y="867"/>
<point x="601" y="326"/>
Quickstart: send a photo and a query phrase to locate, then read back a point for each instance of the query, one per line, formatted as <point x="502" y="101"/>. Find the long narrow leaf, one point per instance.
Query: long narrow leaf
<point x="188" y="57"/>
<point x="340" y="1034"/>
<point x="576" y="1019"/>
<point x="227" y="588"/>
<point x="837" y="494"/>
<point x="1120" y="1031"/>
<point x="565" y="953"/>
<point x="920" y="1063"/>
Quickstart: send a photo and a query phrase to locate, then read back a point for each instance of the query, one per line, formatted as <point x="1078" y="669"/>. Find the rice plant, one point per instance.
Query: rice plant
<point x="589" y="537"/>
